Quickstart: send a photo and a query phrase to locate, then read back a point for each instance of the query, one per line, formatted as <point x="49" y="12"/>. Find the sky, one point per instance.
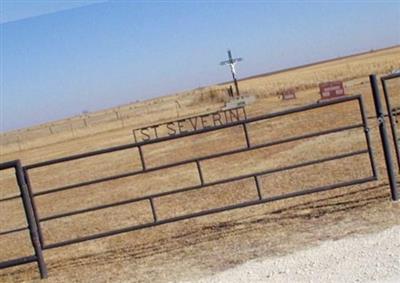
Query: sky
<point x="59" y="58"/>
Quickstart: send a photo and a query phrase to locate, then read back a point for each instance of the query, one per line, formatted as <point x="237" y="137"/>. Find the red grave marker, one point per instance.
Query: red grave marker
<point x="288" y="94"/>
<point x="331" y="90"/>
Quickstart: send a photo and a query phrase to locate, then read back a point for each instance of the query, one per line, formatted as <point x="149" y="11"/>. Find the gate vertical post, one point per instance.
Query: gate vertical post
<point x="368" y="137"/>
<point x="33" y="204"/>
<point x="32" y="224"/>
<point x="384" y="137"/>
<point x="391" y="120"/>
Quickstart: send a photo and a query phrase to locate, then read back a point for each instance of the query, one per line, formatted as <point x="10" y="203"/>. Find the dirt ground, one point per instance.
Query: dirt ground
<point x="356" y="258"/>
<point x="195" y="248"/>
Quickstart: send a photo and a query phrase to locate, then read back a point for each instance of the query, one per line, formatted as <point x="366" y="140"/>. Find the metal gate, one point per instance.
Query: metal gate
<point x="29" y="194"/>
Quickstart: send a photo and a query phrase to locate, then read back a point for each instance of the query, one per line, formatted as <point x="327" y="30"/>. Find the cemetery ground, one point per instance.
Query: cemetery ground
<point x="192" y="249"/>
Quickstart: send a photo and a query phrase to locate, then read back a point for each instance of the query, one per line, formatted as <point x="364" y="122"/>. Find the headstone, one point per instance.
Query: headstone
<point x="239" y="102"/>
<point x="330" y="90"/>
<point x="288" y="94"/>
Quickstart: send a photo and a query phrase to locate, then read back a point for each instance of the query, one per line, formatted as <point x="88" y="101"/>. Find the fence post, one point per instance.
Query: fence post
<point x="19" y="142"/>
<point x="31" y="219"/>
<point x="391" y="120"/>
<point x="384" y="137"/>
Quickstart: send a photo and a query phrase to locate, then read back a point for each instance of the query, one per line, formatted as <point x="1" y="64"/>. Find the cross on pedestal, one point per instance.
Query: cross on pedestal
<point x="231" y="62"/>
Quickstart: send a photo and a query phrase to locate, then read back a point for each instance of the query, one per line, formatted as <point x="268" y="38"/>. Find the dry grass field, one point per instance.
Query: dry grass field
<point x="113" y="123"/>
<point x="198" y="247"/>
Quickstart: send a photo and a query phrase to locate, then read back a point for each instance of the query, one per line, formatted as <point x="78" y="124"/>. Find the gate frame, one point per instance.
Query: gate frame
<point x="31" y="221"/>
<point x="392" y="121"/>
<point x="380" y="115"/>
<point x="243" y="123"/>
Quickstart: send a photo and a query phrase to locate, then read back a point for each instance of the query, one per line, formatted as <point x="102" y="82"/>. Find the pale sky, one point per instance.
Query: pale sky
<point x="59" y="58"/>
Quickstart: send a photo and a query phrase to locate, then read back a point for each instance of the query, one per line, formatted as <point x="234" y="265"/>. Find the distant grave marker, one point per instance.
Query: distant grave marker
<point x="330" y="90"/>
<point x="239" y="102"/>
<point x="288" y="94"/>
<point x="232" y="62"/>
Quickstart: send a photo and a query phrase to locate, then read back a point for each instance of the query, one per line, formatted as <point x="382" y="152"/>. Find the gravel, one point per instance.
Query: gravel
<point x="362" y="258"/>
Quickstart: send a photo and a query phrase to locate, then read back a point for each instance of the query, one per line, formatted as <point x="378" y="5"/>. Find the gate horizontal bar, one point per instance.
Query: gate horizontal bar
<point x="219" y="182"/>
<point x="390" y="76"/>
<point x="168" y="138"/>
<point x="17" y="261"/>
<point x="208" y="212"/>
<point x="10" y="198"/>
<point x="13" y="231"/>
<point x="8" y="164"/>
<point x="211" y="156"/>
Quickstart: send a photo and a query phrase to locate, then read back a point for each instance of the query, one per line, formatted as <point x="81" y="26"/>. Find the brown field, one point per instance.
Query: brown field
<point x="197" y="247"/>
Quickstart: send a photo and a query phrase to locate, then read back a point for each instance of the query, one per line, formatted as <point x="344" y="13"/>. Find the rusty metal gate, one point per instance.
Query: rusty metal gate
<point x="249" y="145"/>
